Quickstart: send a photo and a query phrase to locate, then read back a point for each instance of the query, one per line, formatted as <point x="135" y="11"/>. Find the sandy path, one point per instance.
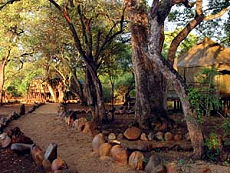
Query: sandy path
<point x="44" y="127"/>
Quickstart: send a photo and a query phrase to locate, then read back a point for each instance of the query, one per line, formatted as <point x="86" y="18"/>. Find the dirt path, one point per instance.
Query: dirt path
<point x="44" y="127"/>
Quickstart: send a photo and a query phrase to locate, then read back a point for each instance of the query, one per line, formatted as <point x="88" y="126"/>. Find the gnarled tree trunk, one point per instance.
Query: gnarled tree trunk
<point x="157" y="17"/>
<point x="151" y="95"/>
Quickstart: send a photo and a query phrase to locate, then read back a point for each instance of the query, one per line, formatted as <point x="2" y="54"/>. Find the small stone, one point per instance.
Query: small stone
<point x="104" y="149"/>
<point x="37" y="155"/>
<point x="51" y="152"/>
<point x="112" y="136"/>
<point x="144" y="137"/>
<point x="153" y="162"/>
<point x="58" y="164"/>
<point x="132" y="133"/>
<point x="119" y="154"/>
<point x="159" y="136"/>
<point x="97" y="141"/>
<point x="151" y="136"/>
<point x="89" y="128"/>
<point x="136" y="160"/>
<point x="178" y="137"/>
<point x="120" y="136"/>
<point x="168" y="136"/>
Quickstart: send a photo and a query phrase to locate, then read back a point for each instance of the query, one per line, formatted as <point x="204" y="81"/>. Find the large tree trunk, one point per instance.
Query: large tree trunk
<point x="93" y="89"/>
<point x="159" y="63"/>
<point x="89" y="91"/>
<point x="151" y="95"/>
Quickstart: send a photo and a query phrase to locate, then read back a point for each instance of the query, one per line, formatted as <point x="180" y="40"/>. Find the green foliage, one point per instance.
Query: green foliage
<point x="188" y="43"/>
<point x="214" y="147"/>
<point x="204" y="98"/>
<point x="226" y="127"/>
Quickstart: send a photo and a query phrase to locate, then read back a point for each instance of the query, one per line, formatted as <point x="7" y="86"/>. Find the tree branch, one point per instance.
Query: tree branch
<point x="199" y="7"/>
<point x="109" y="37"/>
<point x="217" y="15"/>
<point x="72" y="28"/>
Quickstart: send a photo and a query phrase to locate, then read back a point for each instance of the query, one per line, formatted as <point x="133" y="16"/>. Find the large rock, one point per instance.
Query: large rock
<point x="136" y="160"/>
<point x="119" y="154"/>
<point x="104" y="149"/>
<point x="132" y="133"/>
<point x="153" y="162"/>
<point x="21" y="148"/>
<point x="58" y="164"/>
<point x="51" y="152"/>
<point x="37" y="155"/>
<point x="5" y="140"/>
<point x="97" y="141"/>
<point x="89" y="128"/>
<point x="168" y="136"/>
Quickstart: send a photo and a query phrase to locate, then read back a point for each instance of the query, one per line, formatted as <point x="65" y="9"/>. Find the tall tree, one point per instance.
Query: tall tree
<point x="91" y="40"/>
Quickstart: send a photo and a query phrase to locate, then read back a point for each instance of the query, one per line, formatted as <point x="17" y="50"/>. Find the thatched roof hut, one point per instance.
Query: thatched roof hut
<point x="207" y="54"/>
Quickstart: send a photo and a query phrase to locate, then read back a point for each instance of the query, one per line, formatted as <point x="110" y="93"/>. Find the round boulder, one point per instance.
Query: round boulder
<point x="104" y="149"/>
<point x="97" y="141"/>
<point x="132" y="133"/>
<point x="119" y="154"/>
<point x="136" y="160"/>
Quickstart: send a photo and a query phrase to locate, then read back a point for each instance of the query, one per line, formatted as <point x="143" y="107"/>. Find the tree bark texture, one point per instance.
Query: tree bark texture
<point x="157" y="18"/>
<point x="151" y="95"/>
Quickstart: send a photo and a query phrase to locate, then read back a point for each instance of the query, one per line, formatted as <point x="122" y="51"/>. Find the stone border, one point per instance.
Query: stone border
<point x="106" y="145"/>
<point x="5" y="121"/>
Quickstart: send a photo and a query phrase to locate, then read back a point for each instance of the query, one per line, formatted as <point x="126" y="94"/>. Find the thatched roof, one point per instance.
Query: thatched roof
<point x="206" y="53"/>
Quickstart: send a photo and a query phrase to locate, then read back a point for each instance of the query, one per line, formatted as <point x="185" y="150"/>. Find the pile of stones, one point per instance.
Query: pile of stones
<point x="81" y="124"/>
<point x="135" y="159"/>
<point x="46" y="161"/>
